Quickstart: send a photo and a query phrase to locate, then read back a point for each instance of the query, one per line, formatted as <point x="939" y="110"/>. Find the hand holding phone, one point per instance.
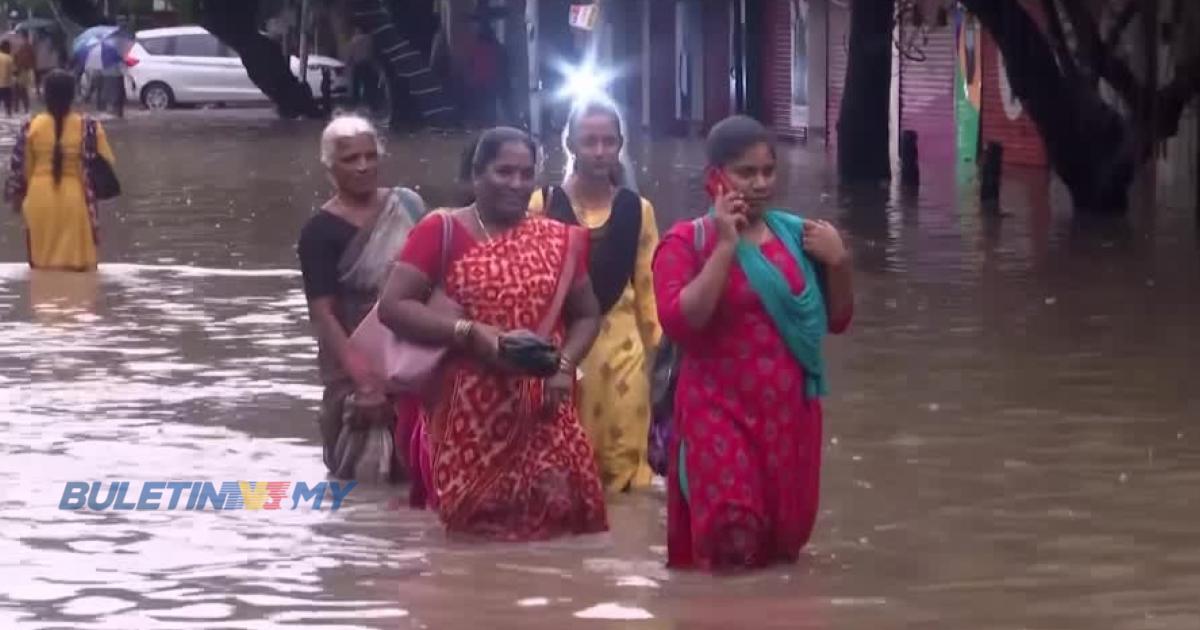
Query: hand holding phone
<point x="716" y="183"/>
<point x="729" y="206"/>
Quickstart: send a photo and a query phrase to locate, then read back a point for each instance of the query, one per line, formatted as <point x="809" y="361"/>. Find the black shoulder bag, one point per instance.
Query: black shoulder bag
<point x="100" y="174"/>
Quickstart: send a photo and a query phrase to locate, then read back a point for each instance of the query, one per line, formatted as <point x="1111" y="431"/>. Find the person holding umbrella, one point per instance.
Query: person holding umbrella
<point x="101" y="50"/>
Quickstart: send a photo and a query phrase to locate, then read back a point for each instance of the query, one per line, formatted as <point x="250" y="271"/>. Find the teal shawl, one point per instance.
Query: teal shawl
<point x="800" y="319"/>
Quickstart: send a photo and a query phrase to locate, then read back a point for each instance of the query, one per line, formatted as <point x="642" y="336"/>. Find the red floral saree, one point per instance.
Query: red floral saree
<point x="502" y="468"/>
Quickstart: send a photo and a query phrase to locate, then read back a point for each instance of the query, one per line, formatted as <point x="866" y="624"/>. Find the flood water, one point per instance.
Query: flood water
<point x="1011" y="441"/>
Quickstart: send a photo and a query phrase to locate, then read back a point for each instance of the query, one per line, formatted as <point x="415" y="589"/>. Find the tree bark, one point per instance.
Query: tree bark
<point x="1086" y="139"/>
<point x="234" y="22"/>
<point x="863" y="151"/>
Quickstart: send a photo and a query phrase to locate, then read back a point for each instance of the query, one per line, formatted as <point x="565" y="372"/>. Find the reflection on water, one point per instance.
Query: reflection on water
<point x="62" y="296"/>
<point x="1009" y="441"/>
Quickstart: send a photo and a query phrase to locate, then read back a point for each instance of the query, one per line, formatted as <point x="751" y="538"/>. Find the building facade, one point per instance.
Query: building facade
<point x="686" y="64"/>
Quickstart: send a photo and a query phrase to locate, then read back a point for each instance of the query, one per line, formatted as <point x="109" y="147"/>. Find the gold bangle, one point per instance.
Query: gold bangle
<point x="566" y="365"/>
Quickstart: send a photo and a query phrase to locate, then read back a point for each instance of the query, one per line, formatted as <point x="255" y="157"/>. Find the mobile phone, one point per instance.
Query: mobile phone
<point x="716" y="183"/>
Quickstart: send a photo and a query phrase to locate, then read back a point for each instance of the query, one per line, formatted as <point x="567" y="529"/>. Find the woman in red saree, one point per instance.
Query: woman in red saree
<point x="747" y="293"/>
<point x="508" y="457"/>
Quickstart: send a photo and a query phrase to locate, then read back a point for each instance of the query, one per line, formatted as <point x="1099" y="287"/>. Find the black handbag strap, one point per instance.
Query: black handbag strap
<point x="90" y="149"/>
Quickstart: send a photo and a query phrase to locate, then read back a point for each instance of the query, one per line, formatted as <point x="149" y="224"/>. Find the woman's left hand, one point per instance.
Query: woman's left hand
<point x="823" y="242"/>
<point x="557" y="390"/>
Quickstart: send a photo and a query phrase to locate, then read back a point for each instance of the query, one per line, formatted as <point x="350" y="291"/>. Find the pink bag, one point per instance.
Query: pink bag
<point x="405" y="366"/>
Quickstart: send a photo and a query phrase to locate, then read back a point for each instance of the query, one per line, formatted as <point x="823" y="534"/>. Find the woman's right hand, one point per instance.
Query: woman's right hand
<point x="730" y="216"/>
<point x="360" y="373"/>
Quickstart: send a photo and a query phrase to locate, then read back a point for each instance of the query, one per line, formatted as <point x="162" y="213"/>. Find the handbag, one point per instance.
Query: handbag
<point x="100" y="174"/>
<point x="529" y="352"/>
<point x="664" y="377"/>
<point x="403" y="365"/>
<point x="532" y="351"/>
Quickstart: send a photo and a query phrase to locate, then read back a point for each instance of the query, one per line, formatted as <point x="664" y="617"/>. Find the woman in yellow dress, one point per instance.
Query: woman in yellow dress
<point x="48" y="183"/>
<point x="614" y="399"/>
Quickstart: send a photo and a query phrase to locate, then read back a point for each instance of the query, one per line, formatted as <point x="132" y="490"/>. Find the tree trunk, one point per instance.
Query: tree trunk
<point x="234" y="22"/>
<point x="1086" y="140"/>
<point x="863" y="142"/>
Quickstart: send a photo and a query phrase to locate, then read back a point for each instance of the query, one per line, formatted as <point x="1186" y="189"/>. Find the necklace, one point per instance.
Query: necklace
<point x="486" y="234"/>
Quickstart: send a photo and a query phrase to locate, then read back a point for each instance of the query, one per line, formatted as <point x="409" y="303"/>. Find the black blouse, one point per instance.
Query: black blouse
<point x="323" y="240"/>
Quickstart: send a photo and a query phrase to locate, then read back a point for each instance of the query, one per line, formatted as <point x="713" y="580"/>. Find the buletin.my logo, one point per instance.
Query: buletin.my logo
<point x="202" y="495"/>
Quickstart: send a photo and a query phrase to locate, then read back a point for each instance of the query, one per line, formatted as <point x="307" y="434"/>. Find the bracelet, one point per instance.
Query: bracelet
<point x="462" y="331"/>
<point x="566" y="365"/>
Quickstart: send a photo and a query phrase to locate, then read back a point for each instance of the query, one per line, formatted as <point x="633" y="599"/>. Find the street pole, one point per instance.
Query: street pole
<point x="304" y="9"/>
<point x="516" y="40"/>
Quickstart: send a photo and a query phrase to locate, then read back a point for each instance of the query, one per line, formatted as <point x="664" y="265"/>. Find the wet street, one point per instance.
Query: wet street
<point x="1011" y="441"/>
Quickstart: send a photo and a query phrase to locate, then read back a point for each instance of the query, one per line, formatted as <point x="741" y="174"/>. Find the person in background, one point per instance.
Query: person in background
<point x="24" y="67"/>
<point x="599" y="194"/>
<point x="748" y="293"/>
<point x="508" y="459"/>
<point x="47" y="56"/>
<point x="345" y="251"/>
<point x="327" y="91"/>
<point x="359" y="55"/>
<point x="486" y="76"/>
<point x="7" y="77"/>
<point x="112" y="88"/>
<point x="47" y="182"/>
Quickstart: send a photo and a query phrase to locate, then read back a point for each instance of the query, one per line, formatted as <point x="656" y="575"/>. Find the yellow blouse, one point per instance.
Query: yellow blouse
<point x="639" y="296"/>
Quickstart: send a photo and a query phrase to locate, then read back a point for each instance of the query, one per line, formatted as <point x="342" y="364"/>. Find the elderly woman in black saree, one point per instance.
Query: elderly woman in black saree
<point x="346" y="251"/>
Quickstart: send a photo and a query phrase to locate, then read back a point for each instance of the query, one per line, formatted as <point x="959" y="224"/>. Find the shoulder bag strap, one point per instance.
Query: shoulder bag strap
<point x="89" y="139"/>
<point x="557" y="205"/>
<point x="575" y="238"/>
<point x="699" y="235"/>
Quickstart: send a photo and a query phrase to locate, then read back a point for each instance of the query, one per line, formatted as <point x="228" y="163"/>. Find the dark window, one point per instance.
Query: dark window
<point x="197" y="46"/>
<point x="156" y="45"/>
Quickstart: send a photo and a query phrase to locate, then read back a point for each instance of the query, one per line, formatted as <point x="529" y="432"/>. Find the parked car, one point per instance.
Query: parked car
<point x="188" y="65"/>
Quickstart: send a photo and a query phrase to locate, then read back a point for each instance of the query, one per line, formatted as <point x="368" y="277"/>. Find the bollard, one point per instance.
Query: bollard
<point x="910" y="168"/>
<point x="990" y="170"/>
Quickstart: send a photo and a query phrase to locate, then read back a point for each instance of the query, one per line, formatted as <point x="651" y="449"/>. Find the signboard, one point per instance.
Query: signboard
<point x="584" y="16"/>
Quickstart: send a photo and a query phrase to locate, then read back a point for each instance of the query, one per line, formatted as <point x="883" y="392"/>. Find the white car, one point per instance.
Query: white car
<point x="189" y="65"/>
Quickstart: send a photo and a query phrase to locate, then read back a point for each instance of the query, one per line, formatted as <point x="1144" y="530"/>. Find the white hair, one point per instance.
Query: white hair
<point x="342" y="127"/>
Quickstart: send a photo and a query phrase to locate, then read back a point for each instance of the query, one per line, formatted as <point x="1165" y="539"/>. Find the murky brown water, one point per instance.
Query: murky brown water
<point x="1011" y="441"/>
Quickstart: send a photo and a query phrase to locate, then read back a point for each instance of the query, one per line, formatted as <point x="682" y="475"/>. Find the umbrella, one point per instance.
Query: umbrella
<point x="92" y="34"/>
<point x="100" y="47"/>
